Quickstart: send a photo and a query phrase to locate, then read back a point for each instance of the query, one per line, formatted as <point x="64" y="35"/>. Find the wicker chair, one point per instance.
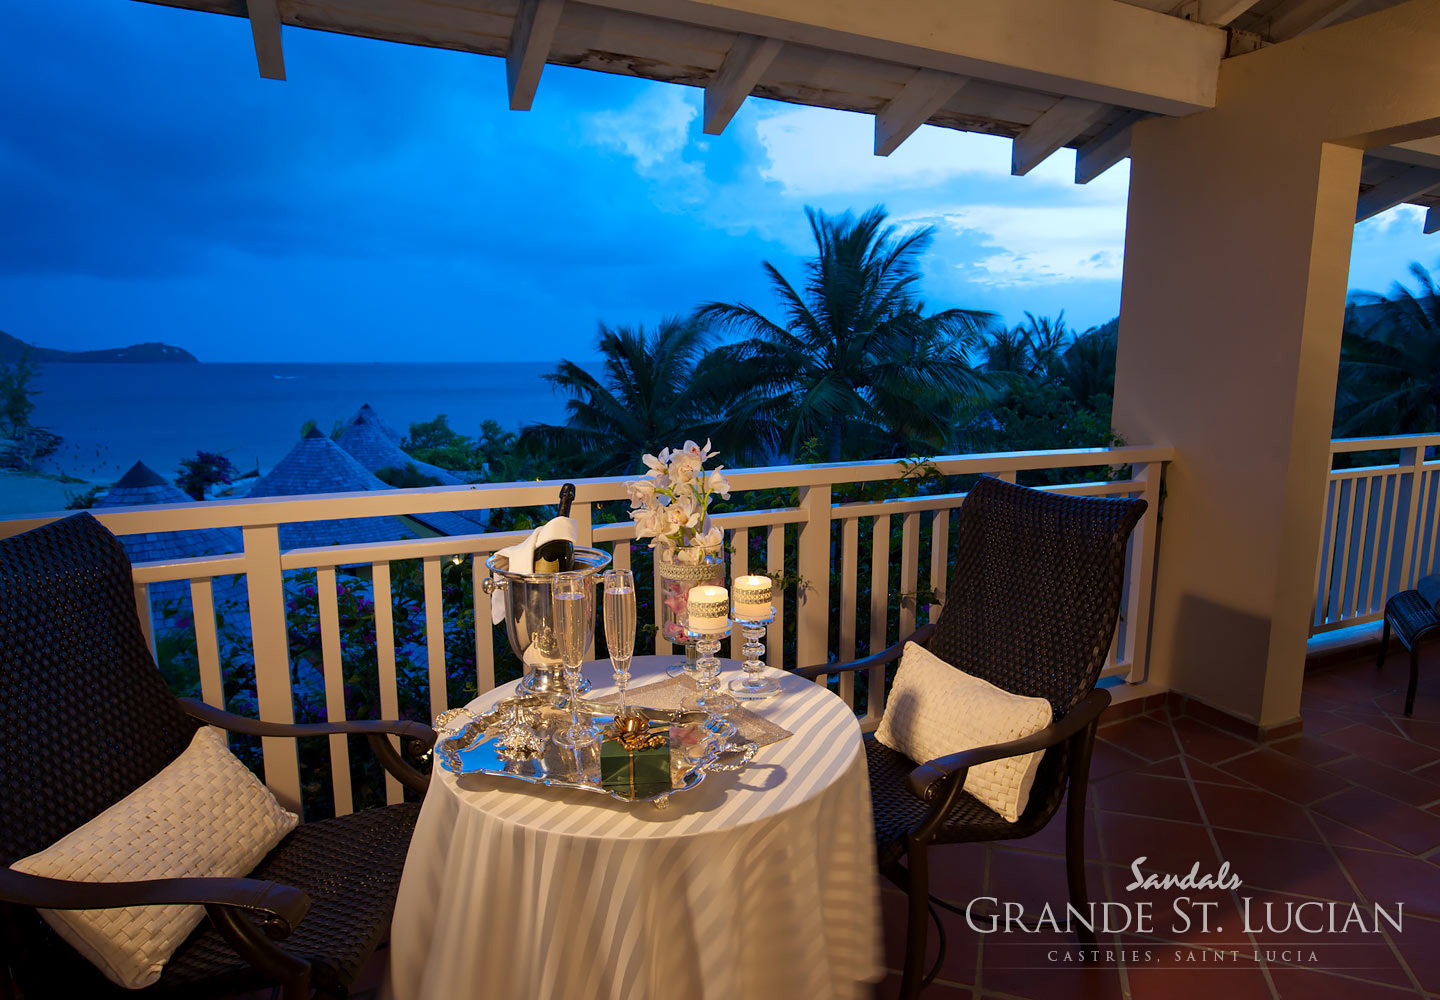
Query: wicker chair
<point x="86" y="719"/>
<point x="1031" y="608"/>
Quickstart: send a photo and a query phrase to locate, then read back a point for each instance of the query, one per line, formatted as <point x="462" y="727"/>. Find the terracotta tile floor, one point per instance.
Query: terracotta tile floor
<point x="1347" y="812"/>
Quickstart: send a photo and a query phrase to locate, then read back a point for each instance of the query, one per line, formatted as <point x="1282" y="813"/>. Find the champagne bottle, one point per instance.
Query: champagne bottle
<point x="558" y="554"/>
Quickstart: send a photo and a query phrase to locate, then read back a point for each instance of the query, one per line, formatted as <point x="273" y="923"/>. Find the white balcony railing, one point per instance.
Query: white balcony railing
<point x="1380" y="528"/>
<point x="828" y="541"/>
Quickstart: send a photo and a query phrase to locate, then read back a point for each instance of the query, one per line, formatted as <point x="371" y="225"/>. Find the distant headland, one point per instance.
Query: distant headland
<point x="12" y="348"/>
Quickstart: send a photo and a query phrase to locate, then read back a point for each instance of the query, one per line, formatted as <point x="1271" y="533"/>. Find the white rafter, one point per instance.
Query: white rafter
<point x="1222" y="12"/>
<point x="1308" y="15"/>
<point x="1432" y="220"/>
<point x="920" y="98"/>
<point x="1066" y="119"/>
<point x="1106" y="149"/>
<point x="1408" y="182"/>
<point x="530" y="40"/>
<point x="1101" y="50"/>
<point x="265" y="28"/>
<point x="744" y="65"/>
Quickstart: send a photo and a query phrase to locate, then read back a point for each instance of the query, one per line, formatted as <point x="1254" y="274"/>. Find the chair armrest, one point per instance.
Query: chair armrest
<point x="926" y="780"/>
<point x="280" y="907"/>
<point x="874" y="660"/>
<point x="377" y="731"/>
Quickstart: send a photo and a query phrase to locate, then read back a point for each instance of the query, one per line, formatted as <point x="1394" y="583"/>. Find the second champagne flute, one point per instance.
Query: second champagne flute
<point x="620" y="630"/>
<point x="572" y="596"/>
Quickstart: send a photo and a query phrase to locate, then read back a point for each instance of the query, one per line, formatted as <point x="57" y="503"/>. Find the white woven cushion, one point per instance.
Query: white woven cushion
<point x="203" y="815"/>
<point x="936" y="709"/>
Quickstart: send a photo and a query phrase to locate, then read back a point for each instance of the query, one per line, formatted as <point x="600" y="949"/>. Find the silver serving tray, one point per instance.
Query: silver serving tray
<point x="467" y="746"/>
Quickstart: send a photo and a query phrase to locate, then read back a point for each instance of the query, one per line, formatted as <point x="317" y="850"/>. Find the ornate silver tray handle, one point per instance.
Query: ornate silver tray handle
<point x="512" y="741"/>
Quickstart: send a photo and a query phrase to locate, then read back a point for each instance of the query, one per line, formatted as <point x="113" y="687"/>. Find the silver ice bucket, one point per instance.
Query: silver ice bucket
<point x="530" y="619"/>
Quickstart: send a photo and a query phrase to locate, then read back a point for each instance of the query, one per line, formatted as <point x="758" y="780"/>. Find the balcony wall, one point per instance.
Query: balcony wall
<point x="898" y="543"/>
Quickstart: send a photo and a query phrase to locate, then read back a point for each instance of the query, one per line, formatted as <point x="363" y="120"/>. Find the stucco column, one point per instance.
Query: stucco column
<point x="1237" y="257"/>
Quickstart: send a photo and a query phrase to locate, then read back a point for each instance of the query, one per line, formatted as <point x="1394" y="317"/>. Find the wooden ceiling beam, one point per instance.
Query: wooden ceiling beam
<point x="923" y="95"/>
<point x="1106" y="149"/>
<point x="744" y="65"/>
<point x="534" y="30"/>
<point x="265" y="29"/>
<point x="1409" y="182"/>
<point x="1308" y="15"/>
<point x="1065" y="120"/>
<point x="1432" y="220"/>
<point x="1101" y="50"/>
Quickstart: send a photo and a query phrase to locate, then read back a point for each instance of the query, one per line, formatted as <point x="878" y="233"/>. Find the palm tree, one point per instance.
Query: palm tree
<point x="1088" y="364"/>
<point x="643" y="400"/>
<point x="856" y="361"/>
<point x="1034" y="349"/>
<point x="1390" y="362"/>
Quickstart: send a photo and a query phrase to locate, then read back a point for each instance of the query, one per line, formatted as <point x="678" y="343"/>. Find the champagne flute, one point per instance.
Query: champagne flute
<point x="620" y="630"/>
<point x="572" y="596"/>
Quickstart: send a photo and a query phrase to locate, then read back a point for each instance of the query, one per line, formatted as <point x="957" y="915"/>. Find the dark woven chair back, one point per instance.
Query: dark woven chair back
<point x="1035" y="594"/>
<point x="86" y="716"/>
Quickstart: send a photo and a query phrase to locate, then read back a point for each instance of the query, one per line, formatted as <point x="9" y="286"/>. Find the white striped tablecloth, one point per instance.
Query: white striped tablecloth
<point x="758" y="884"/>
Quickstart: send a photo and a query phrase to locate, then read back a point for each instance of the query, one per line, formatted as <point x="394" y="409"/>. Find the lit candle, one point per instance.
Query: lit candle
<point x="753" y="598"/>
<point x="708" y="608"/>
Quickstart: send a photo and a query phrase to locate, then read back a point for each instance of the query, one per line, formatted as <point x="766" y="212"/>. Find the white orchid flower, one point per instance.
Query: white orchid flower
<point x="715" y="482"/>
<point x="642" y="493"/>
<point x="655" y="464"/>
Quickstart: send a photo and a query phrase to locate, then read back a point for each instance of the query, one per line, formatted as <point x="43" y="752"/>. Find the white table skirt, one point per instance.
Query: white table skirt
<point x="758" y="884"/>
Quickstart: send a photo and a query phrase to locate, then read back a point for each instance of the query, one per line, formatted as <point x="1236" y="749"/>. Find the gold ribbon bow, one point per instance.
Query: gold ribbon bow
<point x="634" y="733"/>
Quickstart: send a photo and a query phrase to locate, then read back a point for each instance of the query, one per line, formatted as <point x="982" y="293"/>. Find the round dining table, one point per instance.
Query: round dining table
<point x="757" y="884"/>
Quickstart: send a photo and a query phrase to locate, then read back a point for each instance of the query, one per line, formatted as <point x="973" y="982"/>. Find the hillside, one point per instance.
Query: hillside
<point x="11" y="348"/>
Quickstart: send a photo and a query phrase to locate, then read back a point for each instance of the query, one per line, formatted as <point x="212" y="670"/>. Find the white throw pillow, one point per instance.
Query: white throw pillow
<point x="936" y="709"/>
<point x="204" y="815"/>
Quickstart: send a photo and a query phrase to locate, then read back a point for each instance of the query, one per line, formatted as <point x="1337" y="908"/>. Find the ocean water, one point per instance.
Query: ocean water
<point x="112" y="415"/>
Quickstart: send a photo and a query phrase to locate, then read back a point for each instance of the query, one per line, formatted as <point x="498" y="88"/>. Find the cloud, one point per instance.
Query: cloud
<point x="653" y="131"/>
<point x="1400" y="218"/>
<point x="1019" y="245"/>
<point x="815" y="152"/>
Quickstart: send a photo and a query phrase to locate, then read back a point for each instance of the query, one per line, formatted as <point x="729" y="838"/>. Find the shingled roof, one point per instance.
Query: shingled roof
<point x="367" y="442"/>
<point x="143" y="485"/>
<point x="368" y="414"/>
<point x="318" y="465"/>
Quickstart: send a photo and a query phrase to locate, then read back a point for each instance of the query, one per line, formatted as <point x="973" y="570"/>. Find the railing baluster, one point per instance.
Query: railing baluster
<point x="435" y="635"/>
<point x="146" y="616"/>
<point x="775" y="566"/>
<point x="812" y="632"/>
<point x="385" y="663"/>
<point x="879" y="614"/>
<point x="662" y="645"/>
<point x="1414" y="458"/>
<point x="1377" y="601"/>
<point x="265" y="581"/>
<point x="207" y="643"/>
<point x="1142" y="568"/>
<point x="1365" y="554"/>
<point x="332" y="657"/>
<point x="1325" y="556"/>
<point x="939" y="560"/>
<point x="849" y="597"/>
<point x="909" y="572"/>
<point x="621" y="557"/>
<point x="1347" y="508"/>
<point x="484" y="630"/>
<point x="739" y="566"/>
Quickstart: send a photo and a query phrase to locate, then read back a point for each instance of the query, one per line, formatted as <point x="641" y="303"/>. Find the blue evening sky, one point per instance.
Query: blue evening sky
<point x="383" y="204"/>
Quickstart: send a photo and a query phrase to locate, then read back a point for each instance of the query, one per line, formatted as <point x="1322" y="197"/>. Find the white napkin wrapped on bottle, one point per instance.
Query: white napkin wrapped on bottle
<point x="521" y="556"/>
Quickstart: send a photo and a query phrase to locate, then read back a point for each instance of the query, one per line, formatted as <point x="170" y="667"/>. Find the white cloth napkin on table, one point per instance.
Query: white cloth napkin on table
<point x="521" y="556"/>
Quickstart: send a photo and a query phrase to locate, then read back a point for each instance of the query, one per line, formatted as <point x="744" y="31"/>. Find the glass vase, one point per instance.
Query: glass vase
<point x="679" y="570"/>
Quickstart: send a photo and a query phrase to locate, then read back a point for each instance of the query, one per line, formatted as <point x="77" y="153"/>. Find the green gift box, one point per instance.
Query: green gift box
<point x="632" y="766"/>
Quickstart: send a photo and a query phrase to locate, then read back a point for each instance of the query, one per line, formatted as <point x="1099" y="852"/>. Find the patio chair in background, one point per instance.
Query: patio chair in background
<point x="1031" y="607"/>
<point x="87" y="718"/>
